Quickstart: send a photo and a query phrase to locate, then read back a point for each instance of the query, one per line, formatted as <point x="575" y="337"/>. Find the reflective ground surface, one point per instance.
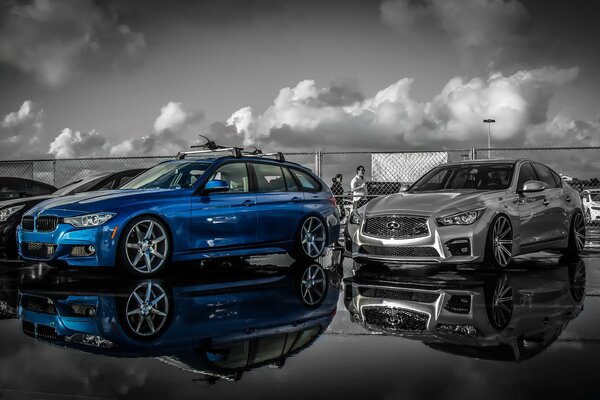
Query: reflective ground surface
<point x="272" y="328"/>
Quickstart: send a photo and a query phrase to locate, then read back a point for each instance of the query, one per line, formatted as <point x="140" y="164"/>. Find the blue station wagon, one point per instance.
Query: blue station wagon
<point x="187" y="209"/>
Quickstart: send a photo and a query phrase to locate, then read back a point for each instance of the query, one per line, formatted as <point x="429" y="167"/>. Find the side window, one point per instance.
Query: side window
<point x="269" y="178"/>
<point x="237" y="176"/>
<point x="290" y="181"/>
<point x="11" y="188"/>
<point x="557" y="178"/>
<point x="545" y="175"/>
<point x="526" y="173"/>
<point x="306" y="181"/>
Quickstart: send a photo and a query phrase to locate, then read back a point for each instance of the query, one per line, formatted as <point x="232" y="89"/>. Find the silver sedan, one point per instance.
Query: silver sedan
<point x="471" y="212"/>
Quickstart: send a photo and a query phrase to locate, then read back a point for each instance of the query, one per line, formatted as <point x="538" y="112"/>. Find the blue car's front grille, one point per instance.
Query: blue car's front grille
<point x="38" y="250"/>
<point x="46" y="223"/>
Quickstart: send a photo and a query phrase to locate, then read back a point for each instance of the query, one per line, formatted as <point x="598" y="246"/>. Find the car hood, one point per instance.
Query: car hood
<point x="430" y="202"/>
<point x="106" y="200"/>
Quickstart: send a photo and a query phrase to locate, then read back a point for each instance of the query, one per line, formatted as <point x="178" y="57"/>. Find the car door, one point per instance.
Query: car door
<point x="553" y="215"/>
<point x="279" y="202"/>
<point x="531" y="208"/>
<point x="225" y="219"/>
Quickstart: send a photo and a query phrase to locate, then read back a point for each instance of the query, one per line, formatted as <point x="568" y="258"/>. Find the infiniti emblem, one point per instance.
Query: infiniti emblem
<point x="393" y="225"/>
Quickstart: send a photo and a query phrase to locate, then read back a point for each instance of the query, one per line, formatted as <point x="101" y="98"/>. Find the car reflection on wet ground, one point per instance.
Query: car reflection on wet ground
<point x="271" y="328"/>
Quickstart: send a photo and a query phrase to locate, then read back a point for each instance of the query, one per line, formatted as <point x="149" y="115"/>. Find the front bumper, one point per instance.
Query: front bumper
<point x="439" y="246"/>
<point x="64" y="238"/>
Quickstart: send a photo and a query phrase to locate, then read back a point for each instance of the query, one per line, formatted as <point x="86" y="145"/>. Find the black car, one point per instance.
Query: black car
<point x="16" y="188"/>
<point x="12" y="210"/>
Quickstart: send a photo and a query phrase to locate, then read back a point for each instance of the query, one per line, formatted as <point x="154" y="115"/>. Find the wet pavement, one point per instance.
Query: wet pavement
<point x="273" y="328"/>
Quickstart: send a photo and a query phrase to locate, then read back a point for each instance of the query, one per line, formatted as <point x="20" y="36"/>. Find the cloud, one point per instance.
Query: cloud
<point x="173" y="117"/>
<point x="55" y="40"/>
<point x="20" y="131"/>
<point x="172" y="133"/>
<point x="73" y="144"/>
<point x="392" y="119"/>
<point x="480" y="29"/>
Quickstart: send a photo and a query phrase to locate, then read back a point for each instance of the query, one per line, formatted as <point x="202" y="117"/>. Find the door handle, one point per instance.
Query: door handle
<point x="296" y="199"/>
<point x="546" y="202"/>
<point x="249" y="203"/>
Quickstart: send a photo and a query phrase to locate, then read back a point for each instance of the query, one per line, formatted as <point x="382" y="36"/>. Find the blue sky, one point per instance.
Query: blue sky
<point x="85" y="78"/>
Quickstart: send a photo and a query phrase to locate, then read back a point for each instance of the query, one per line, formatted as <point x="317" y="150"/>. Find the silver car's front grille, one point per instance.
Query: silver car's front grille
<point x="396" y="319"/>
<point x="400" y="251"/>
<point x="398" y="294"/>
<point x="396" y="226"/>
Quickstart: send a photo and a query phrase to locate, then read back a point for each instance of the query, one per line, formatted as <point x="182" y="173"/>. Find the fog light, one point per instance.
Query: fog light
<point x="83" y="310"/>
<point x="83" y="251"/>
<point x="461" y="330"/>
<point x="459" y="304"/>
<point x="459" y="247"/>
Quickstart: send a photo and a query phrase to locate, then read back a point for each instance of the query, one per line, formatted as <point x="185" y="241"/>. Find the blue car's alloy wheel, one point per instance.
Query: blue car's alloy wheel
<point x="313" y="285"/>
<point x="145" y="249"/>
<point x="311" y="240"/>
<point x="147" y="311"/>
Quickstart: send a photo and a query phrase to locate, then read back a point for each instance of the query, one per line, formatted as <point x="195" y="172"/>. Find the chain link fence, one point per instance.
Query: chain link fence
<point x="385" y="172"/>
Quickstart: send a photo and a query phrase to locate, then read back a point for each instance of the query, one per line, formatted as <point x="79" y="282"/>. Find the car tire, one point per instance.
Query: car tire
<point x="499" y="243"/>
<point x="144" y="247"/>
<point x="146" y="312"/>
<point x="576" y="241"/>
<point x="310" y="240"/>
<point x="499" y="302"/>
<point x="577" y="279"/>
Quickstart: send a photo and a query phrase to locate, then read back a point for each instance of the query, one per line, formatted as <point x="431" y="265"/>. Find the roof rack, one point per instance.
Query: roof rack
<point x="211" y="147"/>
<point x="235" y="151"/>
<point x="258" y="153"/>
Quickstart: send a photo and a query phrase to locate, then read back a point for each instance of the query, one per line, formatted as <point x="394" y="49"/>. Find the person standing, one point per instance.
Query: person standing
<point x="338" y="192"/>
<point x="359" y="188"/>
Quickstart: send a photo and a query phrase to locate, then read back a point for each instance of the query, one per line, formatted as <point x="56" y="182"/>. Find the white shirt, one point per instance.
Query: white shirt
<point x="359" y="188"/>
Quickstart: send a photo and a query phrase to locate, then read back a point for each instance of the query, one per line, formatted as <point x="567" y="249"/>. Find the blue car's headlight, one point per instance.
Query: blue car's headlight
<point x="462" y="218"/>
<point x="7" y="212"/>
<point x="89" y="219"/>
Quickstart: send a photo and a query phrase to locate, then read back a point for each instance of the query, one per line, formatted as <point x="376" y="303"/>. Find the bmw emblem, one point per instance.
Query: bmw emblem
<point x="393" y="225"/>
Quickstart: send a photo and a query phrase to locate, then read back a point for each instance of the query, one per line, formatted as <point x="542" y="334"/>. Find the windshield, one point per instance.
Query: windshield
<point x="82" y="185"/>
<point x="470" y="176"/>
<point x="172" y="175"/>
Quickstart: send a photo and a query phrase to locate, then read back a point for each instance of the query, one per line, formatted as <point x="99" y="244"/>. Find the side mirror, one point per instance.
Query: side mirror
<point x="533" y="186"/>
<point x="404" y="187"/>
<point x="215" y="186"/>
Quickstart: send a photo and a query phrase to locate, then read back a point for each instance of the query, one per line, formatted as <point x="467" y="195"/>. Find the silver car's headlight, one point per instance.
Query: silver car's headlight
<point x="461" y="218"/>
<point x="355" y="218"/>
<point x="89" y="219"/>
<point x="7" y="212"/>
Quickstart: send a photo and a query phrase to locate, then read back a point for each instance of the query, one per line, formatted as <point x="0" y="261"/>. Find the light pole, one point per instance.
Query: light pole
<point x="489" y="121"/>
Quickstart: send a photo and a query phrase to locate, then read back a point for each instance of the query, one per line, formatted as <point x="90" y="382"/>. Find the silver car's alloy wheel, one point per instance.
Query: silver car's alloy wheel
<point x="313" y="285"/>
<point x="501" y="303"/>
<point x="147" y="246"/>
<point x="579" y="231"/>
<point x="588" y="216"/>
<point x="147" y="309"/>
<point x="313" y="237"/>
<point x="502" y="241"/>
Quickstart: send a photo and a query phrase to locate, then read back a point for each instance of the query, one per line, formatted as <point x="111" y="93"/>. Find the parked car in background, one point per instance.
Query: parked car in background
<point x="591" y="204"/>
<point x="11" y="211"/>
<point x="471" y="212"/>
<point x="14" y="188"/>
<point x="187" y="209"/>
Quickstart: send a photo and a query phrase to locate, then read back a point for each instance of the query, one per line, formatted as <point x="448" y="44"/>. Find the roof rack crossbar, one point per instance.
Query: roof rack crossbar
<point x="278" y="155"/>
<point x="235" y="151"/>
